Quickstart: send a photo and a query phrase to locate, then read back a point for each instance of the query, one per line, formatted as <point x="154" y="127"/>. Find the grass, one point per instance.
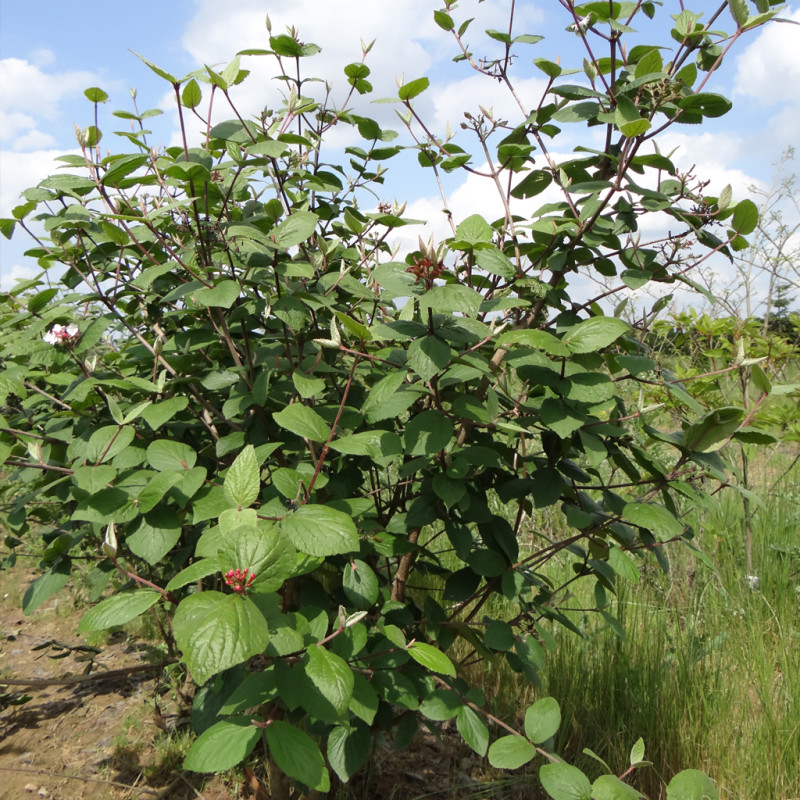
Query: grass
<point x="708" y="671"/>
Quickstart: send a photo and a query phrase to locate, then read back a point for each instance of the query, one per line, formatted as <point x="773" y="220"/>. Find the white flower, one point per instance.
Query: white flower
<point x="59" y="334"/>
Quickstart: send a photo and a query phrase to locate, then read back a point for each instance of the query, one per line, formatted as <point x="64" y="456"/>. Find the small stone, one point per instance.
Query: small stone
<point x="27" y="758"/>
<point x="31" y="787"/>
<point x="43" y="792"/>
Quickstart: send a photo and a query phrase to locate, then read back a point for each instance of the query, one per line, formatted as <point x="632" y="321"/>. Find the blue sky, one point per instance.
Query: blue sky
<point x="50" y="51"/>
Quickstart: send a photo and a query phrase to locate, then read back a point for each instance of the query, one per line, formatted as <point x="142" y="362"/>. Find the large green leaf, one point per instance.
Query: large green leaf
<point x="296" y="754"/>
<point x="432" y="658"/>
<point x="118" y="610"/>
<point x="263" y="550"/>
<point x="223" y="295"/>
<point x="348" y="748"/>
<point x="46" y="585"/>
<point x="166" y="455"/>
<point x="242" y="481"/>
<point x="303" y="421"/>
<point x="320" y="531"/>
<point x="660" y="522"/>
<point x="360" y="584"/>
<point x="222" y="746"/>
<point x="295" y="229"/>
<point x="542" y="720"/>
<point x="473" y="729"/>
<point x="594" y="334"/>
<point x="215" y="631"/>
<point x="565" y="782"/>
<point x="691" y="784"/>
<point x="511" y="752"/>
<point x="713" y="430"/>
<point x="610" y="787"/>
<point x="332" y="676"/>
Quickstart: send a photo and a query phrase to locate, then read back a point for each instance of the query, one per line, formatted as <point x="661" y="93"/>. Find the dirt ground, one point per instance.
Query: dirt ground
<point x="123" y="736"/>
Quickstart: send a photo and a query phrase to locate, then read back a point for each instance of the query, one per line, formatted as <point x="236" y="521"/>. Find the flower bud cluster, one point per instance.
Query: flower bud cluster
<point x="60" y="334"/>
<point x="238" y="579"/>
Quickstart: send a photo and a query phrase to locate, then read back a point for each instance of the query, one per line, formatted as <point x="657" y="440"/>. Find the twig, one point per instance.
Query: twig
<point x="68" y="681"/>
<point x="86" y="779"/>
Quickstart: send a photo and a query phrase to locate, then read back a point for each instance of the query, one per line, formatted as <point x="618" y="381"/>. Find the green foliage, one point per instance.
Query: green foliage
<point x="227" y="384"/>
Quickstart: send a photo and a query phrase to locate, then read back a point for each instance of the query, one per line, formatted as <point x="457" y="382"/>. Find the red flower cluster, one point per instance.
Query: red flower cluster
<point x="238" y="580"/>
<point x="428" y="265"/>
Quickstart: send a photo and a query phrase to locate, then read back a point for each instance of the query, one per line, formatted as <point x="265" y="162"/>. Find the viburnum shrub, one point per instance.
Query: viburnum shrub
<point x="322" y="465"/>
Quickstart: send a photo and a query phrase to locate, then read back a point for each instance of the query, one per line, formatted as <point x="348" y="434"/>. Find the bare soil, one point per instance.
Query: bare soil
<point x="123" y="736"/>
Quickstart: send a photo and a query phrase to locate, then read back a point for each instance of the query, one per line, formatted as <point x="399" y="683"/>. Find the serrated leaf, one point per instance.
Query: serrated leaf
<point x="118" y="610"/>
<point x="243" y="481"/>
<point x="320" y="531"/>
<point x="223" y="295"/>
<point x="215" y="631"/>
<point x="222" y="746"/>
<point x="295" y="229"/>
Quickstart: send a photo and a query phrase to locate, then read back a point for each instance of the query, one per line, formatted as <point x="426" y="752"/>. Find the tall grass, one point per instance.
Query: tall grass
<point x="708" y="672"/>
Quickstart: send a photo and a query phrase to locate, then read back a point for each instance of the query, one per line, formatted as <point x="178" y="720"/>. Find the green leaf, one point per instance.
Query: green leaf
<point x="360" y="584"/>
<point x="348" y="749"/>
<point x="157" y="414"/>
<point x="262" y="550"/>
<point x="223" y="295"/>
<point x="427" y="433"/>
<point x="303" y="421"/>
<point x="243" y="479"/>
<point x="118" y="610"/>
<point x="410" y="90"/>
<point x="443" y="20"/>
<point x="222" y="746"/>
<point x="431" y="658"/>
<point x="215" y="631"/>
<point x="46" y="585"/>
<point x="193" y="573"/>
<point x="296" y="754"/>
<point x="594" y="334"/>
<point x="473" y="230"/>
<point x="706" y="103"/>
<point x="713" y="430"/>
<point x="745" y="217"/>
<point x="451" y="298"/>
<point x="511" y="752"/>
<point x="386" y="400"/>
<point x="332" y="676"/>
<point x="428" y="356"/>
<point x="542" y="720"/>
<point x="535" y="182"/>
<point x="660" y="522"/>
<point x="156" y="534"/>
<point x="295" y="229"/>
<point x="95" y="95"/>
<point x="166" y="455"/>
<point x="691" y="784"/>
<point x="320" y="531"/>
<point x="610" y="787"/>
<point x="158" y="71"/>
<point x="191" y="96"/>
<point x="494" y="262"/>
<point x="565" y="782"/>
<point x="473" y="729"/>
<point x="441" y="705"/>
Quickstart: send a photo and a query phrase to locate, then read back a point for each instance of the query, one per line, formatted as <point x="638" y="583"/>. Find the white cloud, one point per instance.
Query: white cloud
<point x="25" y="88"/>
<point x="8" y="277"/>
<point x="769" y="68"/>
<point x="21" y="170"/>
